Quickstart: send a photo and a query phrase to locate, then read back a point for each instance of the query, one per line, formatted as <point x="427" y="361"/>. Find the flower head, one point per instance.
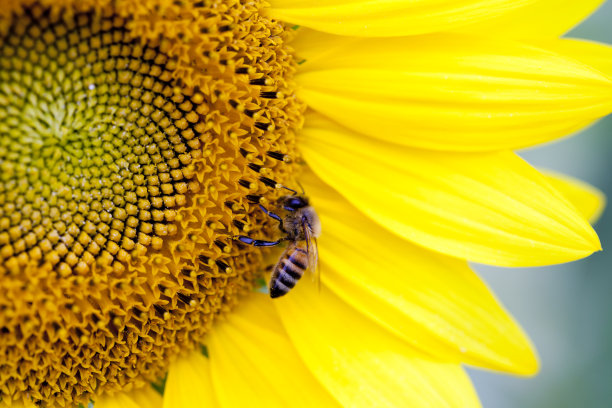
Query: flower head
<point x="138" y="140"/>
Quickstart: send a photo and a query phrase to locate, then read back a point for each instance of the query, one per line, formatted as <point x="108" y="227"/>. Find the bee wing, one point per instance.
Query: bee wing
<point x="313" y="253"/>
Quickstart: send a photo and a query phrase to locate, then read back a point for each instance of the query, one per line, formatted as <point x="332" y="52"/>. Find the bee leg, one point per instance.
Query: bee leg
<point x="257" y="242"/>
<point x="272" y="215"/>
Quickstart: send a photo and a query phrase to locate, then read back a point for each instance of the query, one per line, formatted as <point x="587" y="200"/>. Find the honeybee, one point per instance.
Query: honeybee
<point x="301" y="227"/>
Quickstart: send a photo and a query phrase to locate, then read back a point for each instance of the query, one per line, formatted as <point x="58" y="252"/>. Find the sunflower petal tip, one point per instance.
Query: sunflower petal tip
<point x="521" y="355"/>
<point x="586" y="241"/>
<point x="587" y="199"/>
<point x="530" y="365"/>
<point x="592" y="246"/>
<point x="528" y="369"/>
<point x="522" y="359"/>
<point x="595" y="243"/>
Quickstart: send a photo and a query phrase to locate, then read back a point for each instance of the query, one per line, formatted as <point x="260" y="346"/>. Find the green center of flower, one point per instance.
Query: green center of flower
<point x="133" y="147"/>
<point x="96" y="144"/>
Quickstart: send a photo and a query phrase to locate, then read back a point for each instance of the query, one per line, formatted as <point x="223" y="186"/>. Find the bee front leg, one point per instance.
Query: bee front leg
<point x="272" y="215"/>
<point x="257" y="242"/>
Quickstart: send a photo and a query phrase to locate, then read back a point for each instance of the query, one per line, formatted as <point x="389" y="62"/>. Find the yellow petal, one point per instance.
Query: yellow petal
<point x="455" y="92"/>
<point x="145" y="397"/>
<point x="588" y="200"/>
<point x="435" y="303"/>
<point x="597" y="55"/>
<point x="390" y="18"/>
<point x="314" y="47"/>
<point x="543" y="18"/>
<point x="361" y="364"/>
<point x="491" y="208"/>
<point x="254" y="363"/>
<point x="189" y="384"/>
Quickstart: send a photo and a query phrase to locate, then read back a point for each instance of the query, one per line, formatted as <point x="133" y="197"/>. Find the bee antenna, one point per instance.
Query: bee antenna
<point x="290" y="189"/>
<point x="301" y="188"/>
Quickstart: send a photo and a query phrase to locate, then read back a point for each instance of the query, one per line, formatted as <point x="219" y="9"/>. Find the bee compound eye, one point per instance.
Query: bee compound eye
<point x="294" y="203"/>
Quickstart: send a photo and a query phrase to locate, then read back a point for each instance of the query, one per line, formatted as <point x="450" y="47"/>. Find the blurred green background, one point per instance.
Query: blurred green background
<point x="565" y="309"/>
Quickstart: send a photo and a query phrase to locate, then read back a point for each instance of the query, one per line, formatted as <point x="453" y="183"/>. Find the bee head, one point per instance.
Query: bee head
<point x="294" y="202"/>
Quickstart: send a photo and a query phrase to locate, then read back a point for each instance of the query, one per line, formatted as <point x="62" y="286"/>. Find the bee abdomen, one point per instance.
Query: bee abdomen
<point x="288" y="272"/>
<point x="277" y="289"/>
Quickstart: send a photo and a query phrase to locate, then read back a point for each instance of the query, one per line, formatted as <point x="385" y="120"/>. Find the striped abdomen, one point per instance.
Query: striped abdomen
<point x="289" y="269"/>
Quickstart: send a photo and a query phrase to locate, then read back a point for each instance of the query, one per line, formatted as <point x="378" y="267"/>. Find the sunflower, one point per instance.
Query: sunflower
<point x="138" y="139"/>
